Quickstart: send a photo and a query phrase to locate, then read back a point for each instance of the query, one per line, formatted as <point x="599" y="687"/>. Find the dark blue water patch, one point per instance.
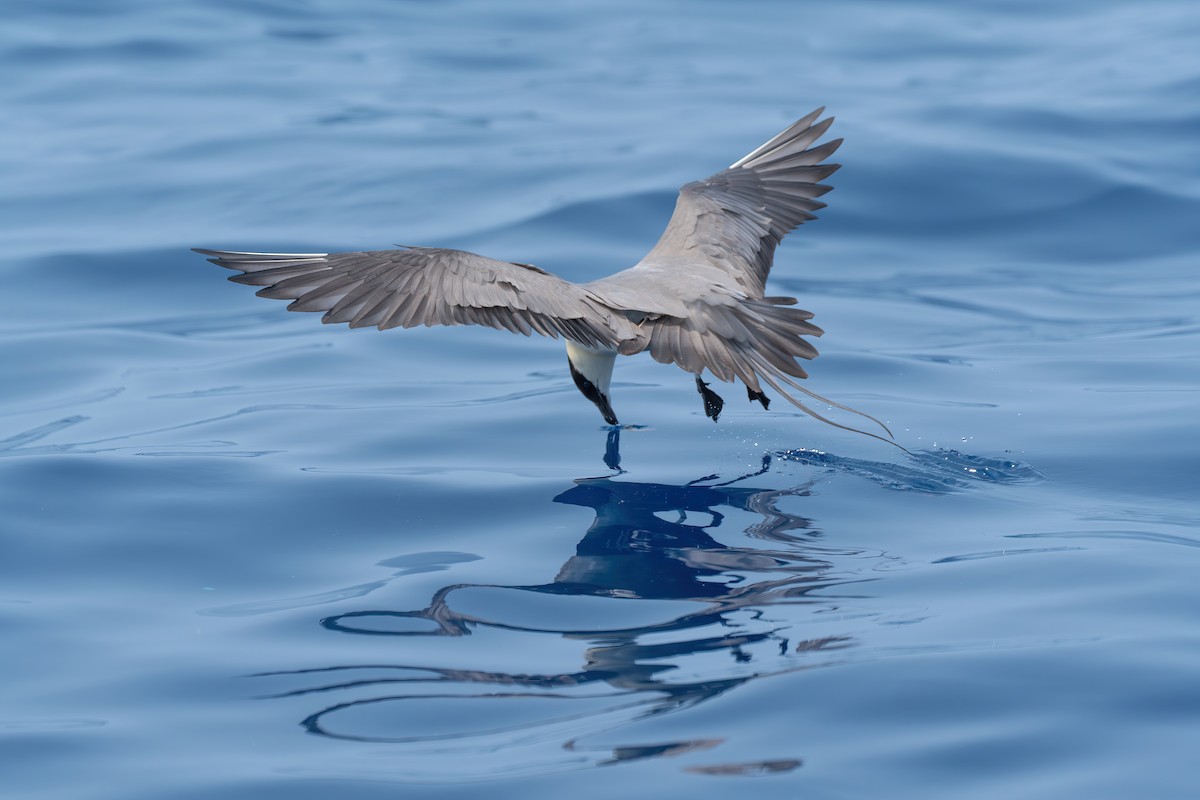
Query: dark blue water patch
<point x="1020" y="208"/>
<point x="589" y="239"/>
<point x="1123" y="214"/>
<point x="513" y="60"/>
<point x="130" y="51"/>
<point x="315" y="35"/>
<point x="267" y="9"/>
<point x="355" y="115"/>
<point x="1169" y="126"/>
<point x="68" y="289"/>
<point x="32" y="9"/>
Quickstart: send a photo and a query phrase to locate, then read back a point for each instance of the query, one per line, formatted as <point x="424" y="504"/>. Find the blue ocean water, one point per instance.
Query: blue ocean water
<point x="244" y="555"/>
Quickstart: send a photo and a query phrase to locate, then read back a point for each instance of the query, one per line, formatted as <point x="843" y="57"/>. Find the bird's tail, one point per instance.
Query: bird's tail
<point x="773" y="377"/>
<point x="755" y="341"/>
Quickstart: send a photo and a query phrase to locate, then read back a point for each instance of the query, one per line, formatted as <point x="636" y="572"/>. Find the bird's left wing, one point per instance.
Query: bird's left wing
<point x="734" y="220"/>
<point x="427" y="286"/>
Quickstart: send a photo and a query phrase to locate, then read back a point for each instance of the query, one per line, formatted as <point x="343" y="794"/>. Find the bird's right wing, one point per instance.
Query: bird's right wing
<point x="734" y="220"/>
<point x="712" y="263"/>
<point x="427" y="286"/>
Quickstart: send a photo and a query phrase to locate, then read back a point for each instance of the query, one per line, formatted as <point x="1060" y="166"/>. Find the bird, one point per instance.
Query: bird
<point x="697" y="299"/>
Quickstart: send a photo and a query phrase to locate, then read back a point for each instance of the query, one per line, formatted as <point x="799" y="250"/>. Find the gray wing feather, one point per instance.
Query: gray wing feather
<point x="734" y="341"/>
<point x="716" y="253"/>
<point x="734" y="220"/>
<point x="764" y="346"/>
<point x="427" y="286"/>
<point x="701" y="288"/>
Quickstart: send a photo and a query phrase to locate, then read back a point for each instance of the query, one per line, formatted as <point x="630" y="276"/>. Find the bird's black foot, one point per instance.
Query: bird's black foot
<point x="759" y="396"/>
<point x="712" y="401"/>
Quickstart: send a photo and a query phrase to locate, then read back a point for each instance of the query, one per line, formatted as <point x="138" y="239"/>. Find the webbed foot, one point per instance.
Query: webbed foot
<point x="712" y="401"/>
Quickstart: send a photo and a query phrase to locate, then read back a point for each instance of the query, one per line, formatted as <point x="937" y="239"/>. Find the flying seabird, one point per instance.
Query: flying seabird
<point x="696" y="300"/>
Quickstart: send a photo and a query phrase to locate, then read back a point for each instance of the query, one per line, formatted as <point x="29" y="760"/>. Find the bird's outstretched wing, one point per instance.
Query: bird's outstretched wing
<point x="711" y="265"/>
<point x="734" y="220"/>
<point x="427" y="286"/>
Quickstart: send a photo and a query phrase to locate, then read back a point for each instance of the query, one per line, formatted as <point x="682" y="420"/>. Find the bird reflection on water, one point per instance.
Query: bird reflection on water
<point x="725" y="602"/>
<point x="648" y="542"/>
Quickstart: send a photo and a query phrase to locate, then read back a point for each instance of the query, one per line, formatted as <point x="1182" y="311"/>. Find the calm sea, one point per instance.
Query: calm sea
<point x="244" y="555"/>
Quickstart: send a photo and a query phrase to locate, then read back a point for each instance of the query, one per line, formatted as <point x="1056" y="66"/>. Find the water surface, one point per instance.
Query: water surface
<point x="246" y="555"/>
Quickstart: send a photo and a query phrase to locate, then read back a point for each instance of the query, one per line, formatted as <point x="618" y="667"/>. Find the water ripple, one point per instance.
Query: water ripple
<point x="932" y="471"/>
<point x="697" y="598"/>
<point x="710" y="616"/>
<point x="1132" y="535"/>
